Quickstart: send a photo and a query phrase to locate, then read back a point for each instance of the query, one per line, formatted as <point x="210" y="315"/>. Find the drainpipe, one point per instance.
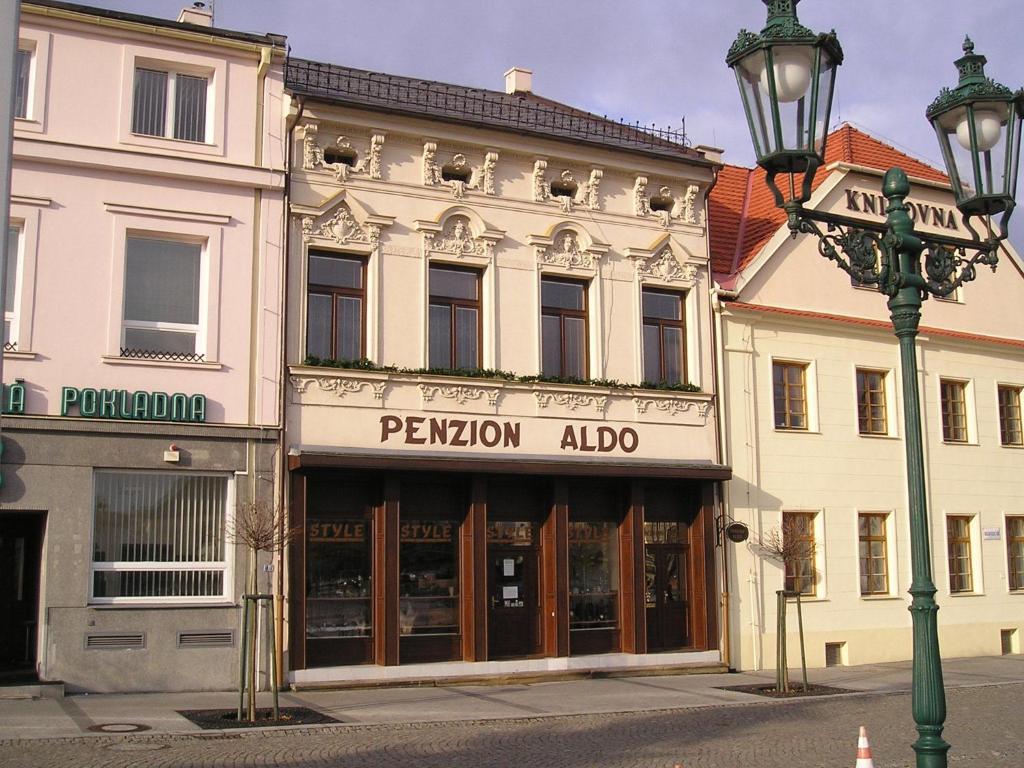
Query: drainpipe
<point x="282" y="454"/>
<point x="722" y="501"/>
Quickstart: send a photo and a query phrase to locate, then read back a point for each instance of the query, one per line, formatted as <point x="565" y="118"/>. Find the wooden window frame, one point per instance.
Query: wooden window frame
<point x="869" y="398"/>
<point x="661" y="323"/>
<point x="562" y="313"/>
<point x="953" y="402"/>
<point x="807" y="583"/>
<point x="335" y="291"/>
<point x="1010" y="425"/>
<point x="454" y="303"/>
<point x="787" y="421"/>
<point x="865" y="563"/>
<point x="1015" y="552"/>
<point x="960" y="580"/>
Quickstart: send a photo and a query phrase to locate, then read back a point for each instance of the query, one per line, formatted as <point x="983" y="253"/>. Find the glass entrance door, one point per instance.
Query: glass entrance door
<point x="666" y="590"/>
<point x="513" y="618"/>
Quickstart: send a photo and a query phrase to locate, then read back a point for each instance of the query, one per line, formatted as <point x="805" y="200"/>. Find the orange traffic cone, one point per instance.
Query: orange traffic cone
<point x="864" y="750"/>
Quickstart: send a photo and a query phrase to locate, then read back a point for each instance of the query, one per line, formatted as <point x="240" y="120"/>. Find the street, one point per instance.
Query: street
<point x="985" y="724"/>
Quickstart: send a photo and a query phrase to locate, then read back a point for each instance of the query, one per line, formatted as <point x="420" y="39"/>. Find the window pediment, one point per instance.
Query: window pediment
<point x="662" y="266"/>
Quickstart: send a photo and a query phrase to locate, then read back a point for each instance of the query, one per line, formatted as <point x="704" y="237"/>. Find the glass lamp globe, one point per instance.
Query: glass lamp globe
<point x="987" y="128"/>
<point x="792" y="67"/>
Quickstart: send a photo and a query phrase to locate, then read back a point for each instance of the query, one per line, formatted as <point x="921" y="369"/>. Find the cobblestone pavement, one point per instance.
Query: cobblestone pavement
<point x="985" y="725"/>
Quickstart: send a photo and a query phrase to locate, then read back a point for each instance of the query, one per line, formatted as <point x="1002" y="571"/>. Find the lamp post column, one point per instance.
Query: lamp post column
<point x="928" y="694"/>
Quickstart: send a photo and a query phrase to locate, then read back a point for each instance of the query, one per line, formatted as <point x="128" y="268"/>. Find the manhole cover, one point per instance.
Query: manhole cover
<point x="119" y="728"/>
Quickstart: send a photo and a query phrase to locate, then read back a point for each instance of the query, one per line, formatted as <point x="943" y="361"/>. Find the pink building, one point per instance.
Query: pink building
<point x="141" y="393"/>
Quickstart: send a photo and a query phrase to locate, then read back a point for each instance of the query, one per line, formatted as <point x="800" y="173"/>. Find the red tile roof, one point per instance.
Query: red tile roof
<point x="882" y="324"/>
<point x="741" y="210"/>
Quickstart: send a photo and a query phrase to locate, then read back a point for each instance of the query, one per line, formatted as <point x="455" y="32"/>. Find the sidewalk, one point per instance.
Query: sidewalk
<point x="72" y="716"/>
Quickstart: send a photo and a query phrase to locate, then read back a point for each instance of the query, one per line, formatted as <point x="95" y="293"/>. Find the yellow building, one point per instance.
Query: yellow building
<point x="814" y="425"/>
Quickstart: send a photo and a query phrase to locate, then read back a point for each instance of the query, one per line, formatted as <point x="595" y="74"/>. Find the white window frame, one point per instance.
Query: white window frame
<point x="213" y="69"/>
<point x="226" y="566"/>
<point x="199" y="327"/>
<point x="977" y="569"/>
<point x="201" y="228"/>
<point x="18" y="258"/>
<point x="25" y="216"/>
<point x="38" y="44"/>
<point x="170" y="113"/>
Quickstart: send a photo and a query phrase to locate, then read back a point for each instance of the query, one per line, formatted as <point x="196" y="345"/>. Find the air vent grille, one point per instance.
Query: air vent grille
<point x="115" y="641"/>
<point x="206" y="638"/>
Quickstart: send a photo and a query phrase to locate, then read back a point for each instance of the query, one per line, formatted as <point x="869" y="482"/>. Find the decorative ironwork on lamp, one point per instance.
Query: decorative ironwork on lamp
<point x="786" y="75"/>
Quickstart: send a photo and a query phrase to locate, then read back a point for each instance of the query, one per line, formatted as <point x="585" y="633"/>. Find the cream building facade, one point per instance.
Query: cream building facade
<point x="478" y="475"/>
<point x="815" y="431"/>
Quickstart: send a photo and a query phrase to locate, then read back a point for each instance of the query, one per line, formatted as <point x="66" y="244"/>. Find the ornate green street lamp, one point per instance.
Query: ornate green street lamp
<point x="786" y="75"/>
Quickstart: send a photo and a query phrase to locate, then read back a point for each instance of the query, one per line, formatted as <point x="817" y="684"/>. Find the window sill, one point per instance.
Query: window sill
<point x="878" y="598"/>
<point x="878" y="437"/>
<point x="167" y="143"/>
<point x="790" y="431"/>
<point x="158" y="606"/>
<point x="28" y="124"/>
<point x="811" y="599"/>
<point x="966" y="594"/>
<point x="1012" y="446"/>
<point x="964" y="443"/>
<point x="118" y="360"/>
<point x="15" y="354"/>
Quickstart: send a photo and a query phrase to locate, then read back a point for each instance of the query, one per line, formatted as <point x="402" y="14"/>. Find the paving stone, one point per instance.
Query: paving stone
<point x="984" y="725"/>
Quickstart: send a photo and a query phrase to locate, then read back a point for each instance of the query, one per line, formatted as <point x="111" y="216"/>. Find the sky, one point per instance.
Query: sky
<point x="655" y="61"/>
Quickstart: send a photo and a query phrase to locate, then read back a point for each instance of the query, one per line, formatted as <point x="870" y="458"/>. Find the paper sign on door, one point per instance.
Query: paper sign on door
<point x="508" y="567"/>
<point x="510" y="593"/>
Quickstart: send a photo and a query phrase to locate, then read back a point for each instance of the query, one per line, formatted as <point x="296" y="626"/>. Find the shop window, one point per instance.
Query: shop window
<point x="162" y="298"/>
<point x="1015" y="551"/>
<point x="872" y="406"/>
<point x="339" y="564"/>
<point x="799" y="547"/>
<point x="789" y="390"/>
<point x="1010" y="432"/>
<point x="22" y="80"/>
<point x="953" y="398"/>
<point x="874" y="558"/>
<point x="593" y="575"/>
<point x="664" y="336"/>
<point x="11" y="289"/>
<point x="563" y="328"/>
<point x="159" y="537"/>
<point x="428" y="559"/>
<point x="454" y="334"/>
<point x="170" y="104"/>
<point x="336" y="307"/>
<point x="958" y="543"/>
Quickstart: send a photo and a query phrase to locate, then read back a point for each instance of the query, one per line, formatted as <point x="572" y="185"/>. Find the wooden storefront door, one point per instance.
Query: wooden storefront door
<point x="666" y="592"/>
<point x="513" y="618"/>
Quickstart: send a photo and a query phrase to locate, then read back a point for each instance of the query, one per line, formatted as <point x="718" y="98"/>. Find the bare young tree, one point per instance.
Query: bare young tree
<point x="792" y="547"/>
<point x="259" y="526"/>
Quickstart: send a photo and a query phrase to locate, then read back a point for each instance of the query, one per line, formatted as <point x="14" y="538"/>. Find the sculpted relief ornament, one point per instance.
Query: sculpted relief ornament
<point x="347" y="162"/>
<point x="456" y="239"/>
<point x="663" y="266"/>
<point x="566" y="253"/>
<point x="666" y="207"/>
<point x="461" y="176"/>
<point x="566" y="191"/>
<point x="340" y="227"/>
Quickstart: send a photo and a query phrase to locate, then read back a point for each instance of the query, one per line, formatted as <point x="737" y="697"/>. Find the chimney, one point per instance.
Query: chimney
<point x="519" y="80"/>
<point x="198" y="14"/>
<point x="714" y="154"/>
